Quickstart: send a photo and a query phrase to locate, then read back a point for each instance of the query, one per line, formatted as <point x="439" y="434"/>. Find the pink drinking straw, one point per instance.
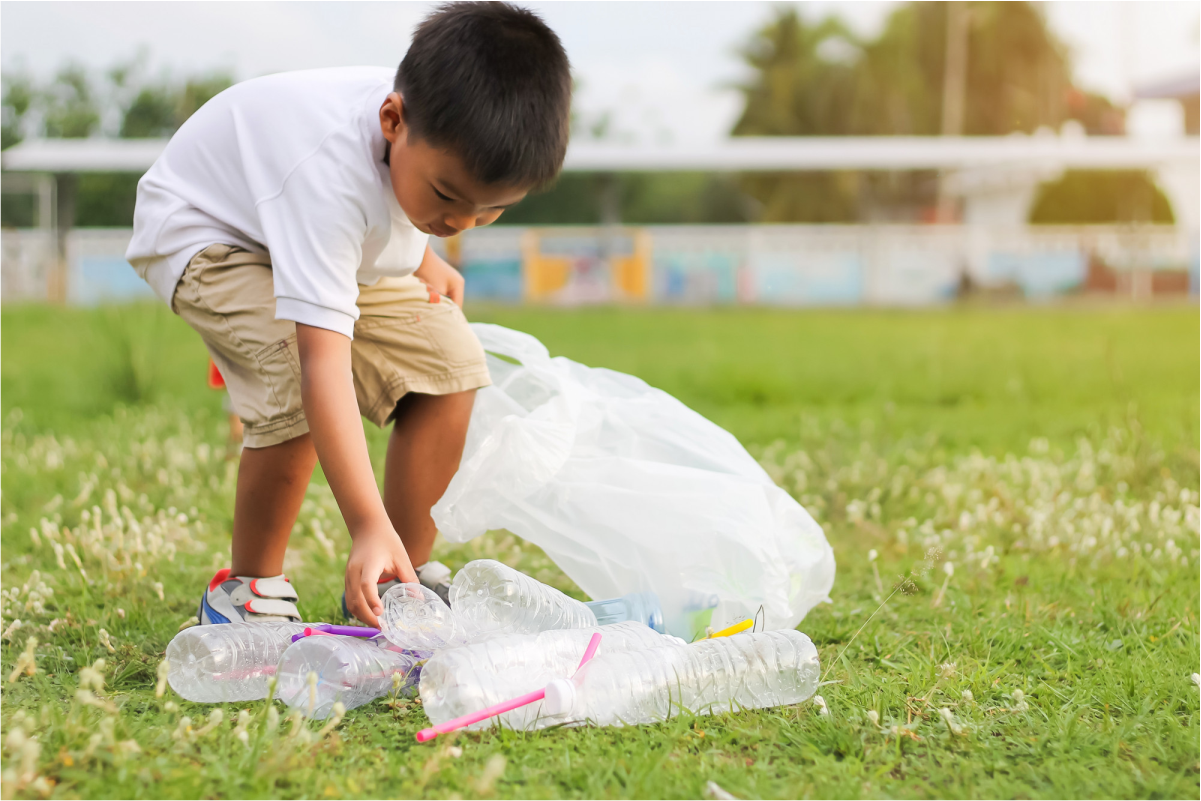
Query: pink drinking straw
<point x="504" y="706"/>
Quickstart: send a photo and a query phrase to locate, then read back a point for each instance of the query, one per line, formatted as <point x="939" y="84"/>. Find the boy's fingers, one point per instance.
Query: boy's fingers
<point x="405" y="572"/>
<point x="371" y="597"/>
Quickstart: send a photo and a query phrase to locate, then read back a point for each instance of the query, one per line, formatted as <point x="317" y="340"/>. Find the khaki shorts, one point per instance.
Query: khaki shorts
<point x="407" y="339"/>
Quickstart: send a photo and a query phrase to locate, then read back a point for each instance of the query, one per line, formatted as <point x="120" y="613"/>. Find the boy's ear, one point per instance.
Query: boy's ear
<point x="391" y="118"/>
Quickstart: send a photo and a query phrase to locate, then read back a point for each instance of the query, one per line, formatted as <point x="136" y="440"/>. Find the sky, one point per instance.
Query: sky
<point x="662" y="71"/>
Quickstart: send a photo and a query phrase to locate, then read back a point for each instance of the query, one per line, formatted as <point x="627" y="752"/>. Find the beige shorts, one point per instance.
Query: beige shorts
<point x="407" y="339"/>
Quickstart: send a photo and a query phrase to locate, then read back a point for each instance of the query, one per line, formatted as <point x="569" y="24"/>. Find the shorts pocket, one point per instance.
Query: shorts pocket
<point x="451" y="336"/>
<point x="279" y="371"/>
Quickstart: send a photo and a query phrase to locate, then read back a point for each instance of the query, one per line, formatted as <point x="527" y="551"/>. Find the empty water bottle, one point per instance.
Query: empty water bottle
<point x="640" y="607"/>
<point x="415" y="617"/>
<point x="459" y="681"/>
<point x="229" y="662"/>
<point x="316" y="672"/>
<point x="749" y="671"/>
<point x="490" y="597"/>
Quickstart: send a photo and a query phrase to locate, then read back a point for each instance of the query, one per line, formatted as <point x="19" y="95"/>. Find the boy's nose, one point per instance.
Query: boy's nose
<point x="459" y="224"/>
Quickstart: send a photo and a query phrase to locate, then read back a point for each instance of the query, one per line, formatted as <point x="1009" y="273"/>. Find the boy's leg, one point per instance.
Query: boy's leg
<point x="271" y="487"/>
<point x="423" y="454"/>
<point x="226" y="295"/>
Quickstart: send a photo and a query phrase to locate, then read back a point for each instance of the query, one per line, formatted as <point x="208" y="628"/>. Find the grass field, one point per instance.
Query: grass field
<point x="1049" y="455"/>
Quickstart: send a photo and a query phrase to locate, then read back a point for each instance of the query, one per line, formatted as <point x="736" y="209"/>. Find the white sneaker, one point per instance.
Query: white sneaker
<point x="249" y="599"/>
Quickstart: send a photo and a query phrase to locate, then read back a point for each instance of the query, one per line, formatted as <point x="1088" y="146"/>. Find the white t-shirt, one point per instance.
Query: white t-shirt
<point x="291" y="164"/>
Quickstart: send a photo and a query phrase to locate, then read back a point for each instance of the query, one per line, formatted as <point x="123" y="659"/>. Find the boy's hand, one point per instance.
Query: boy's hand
<point x="440" y="276"/>
<point x="376" y="551"/>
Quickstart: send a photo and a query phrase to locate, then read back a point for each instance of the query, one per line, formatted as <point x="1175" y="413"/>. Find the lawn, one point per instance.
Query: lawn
<point x="1012" y="496"/>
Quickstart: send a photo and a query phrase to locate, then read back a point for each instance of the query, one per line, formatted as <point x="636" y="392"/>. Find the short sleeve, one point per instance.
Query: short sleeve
<point x="314" y="230"/>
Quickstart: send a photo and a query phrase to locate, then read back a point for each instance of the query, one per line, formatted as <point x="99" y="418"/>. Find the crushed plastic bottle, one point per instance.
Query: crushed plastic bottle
<point x="352" y="670"/>
<point x="228" y="662"/>
<point x="458" y="681"/>
<point x="493" y="598"/>
<point x="748" y="671"/>
<point x="416" y="618"/>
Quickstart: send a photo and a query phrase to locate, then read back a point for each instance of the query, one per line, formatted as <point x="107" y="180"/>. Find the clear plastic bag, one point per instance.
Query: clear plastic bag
<point x="628" y="490"/>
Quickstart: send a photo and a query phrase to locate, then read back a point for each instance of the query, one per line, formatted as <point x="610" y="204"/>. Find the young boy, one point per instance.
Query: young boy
<point x="288" y="223"/>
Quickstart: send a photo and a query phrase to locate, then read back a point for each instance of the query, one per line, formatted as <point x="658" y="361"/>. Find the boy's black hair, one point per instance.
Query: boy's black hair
<point x="491" y="82"/>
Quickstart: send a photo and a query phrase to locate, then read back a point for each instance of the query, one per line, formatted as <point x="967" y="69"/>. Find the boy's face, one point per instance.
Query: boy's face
<point x="432" y="186"/>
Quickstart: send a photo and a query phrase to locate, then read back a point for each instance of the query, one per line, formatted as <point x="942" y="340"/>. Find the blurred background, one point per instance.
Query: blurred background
<point x="788" y="154"/>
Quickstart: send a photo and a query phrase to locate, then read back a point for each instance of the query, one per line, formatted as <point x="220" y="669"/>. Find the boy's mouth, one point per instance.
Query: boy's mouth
<point x="439" y="231"/>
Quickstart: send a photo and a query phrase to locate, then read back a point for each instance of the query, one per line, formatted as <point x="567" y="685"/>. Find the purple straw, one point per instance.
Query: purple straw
<point x="345" y="631"/>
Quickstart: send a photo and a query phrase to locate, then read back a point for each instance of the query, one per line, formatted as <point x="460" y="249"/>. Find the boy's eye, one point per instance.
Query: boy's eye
<point x="442" y="196"/>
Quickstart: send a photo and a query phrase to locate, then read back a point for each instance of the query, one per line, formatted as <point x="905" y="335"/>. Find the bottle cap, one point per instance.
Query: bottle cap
<point x="560" y="697"/>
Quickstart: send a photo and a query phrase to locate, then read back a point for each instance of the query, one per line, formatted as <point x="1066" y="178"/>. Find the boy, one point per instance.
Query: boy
<point x="288" y="222"/>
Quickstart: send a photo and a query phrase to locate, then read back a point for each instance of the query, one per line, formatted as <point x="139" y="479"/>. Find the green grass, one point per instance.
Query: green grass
<point x="1050" y="455"/>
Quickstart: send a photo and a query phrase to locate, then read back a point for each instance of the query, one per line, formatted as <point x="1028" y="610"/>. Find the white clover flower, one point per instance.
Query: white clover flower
<point x="872" y="555"/>
<point x="164" y="670"/>
<point x="822" y="709"/>
<point x="949" y="719"/>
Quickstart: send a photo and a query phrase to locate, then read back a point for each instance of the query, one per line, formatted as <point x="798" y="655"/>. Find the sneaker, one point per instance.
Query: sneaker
<point x="249" y="599"/>
<point x="434" y="575"/>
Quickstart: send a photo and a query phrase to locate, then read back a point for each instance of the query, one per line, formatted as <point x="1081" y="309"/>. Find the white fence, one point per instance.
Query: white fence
<point x="786" y="265"/>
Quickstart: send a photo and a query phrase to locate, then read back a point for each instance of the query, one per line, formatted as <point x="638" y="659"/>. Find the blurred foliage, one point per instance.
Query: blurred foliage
<point x="819" y="79"/>
<point x="124" y="102"/>
<point x="69" y="106"/>
<point x="1081" y="197"/>
<point x="643" y="199"/>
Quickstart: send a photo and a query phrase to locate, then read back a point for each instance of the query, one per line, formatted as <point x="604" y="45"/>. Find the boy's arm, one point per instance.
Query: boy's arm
<point x="327" y="391"/>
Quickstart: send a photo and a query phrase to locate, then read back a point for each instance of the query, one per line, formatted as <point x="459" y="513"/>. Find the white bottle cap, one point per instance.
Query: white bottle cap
<point x="560" y="697"/>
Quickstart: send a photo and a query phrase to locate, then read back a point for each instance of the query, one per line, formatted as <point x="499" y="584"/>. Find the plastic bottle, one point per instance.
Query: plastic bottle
<point x="415" y="617"/>
<point x="458" y="681"/>
<point x="227" y="662"/>
<point x="747" y="671"/>
<point x="641" y="607"/>
<point x="490" y="597"/>
<point x="352" y="670"/>
<point x="648" y="685"/>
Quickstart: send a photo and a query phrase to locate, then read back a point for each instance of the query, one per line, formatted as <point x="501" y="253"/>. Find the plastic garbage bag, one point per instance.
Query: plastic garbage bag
<point x="628" y="490"/>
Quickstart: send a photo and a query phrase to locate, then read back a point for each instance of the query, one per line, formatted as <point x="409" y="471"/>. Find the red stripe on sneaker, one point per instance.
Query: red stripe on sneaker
<point x="254" y="588"/>
<point x="219" y="579"/>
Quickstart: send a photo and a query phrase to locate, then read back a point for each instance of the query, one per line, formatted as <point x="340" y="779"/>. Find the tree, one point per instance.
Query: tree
<point x="1018" y="78"/>
<point x="69" y="106"/>
<point x="799" y="91"/>
<point x="18" y="95"/>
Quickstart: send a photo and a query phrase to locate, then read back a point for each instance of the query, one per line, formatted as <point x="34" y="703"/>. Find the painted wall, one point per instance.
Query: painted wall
<point x="774" y="265"/>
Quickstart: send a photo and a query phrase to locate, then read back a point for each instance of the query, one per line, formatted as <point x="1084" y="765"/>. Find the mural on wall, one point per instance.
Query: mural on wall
<point x="784" y="265"/>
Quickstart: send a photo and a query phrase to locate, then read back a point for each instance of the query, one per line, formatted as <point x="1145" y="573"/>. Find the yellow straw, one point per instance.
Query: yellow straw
<point x="737" y="627"/>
